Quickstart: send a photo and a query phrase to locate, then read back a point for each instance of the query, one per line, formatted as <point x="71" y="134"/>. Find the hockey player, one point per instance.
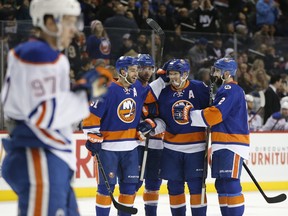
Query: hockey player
<point x="254" y="119"/>
<point x="40" y="109"/>
<point x="146" y="68"/>
<point x="111" y="132"/>
<point x="278" y="120"/>
<point x="183" y="153"/>
<point x="230" y="135"/>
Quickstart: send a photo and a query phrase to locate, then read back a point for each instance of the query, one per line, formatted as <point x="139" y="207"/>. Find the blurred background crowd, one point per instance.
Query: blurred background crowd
<point x="254" y="32"/>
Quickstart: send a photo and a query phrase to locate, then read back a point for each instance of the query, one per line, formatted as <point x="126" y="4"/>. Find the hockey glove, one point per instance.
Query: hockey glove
<point x="277" y="115"/>
<point x="94" y="82"/>
<point x="182" y="113"/>
<point x="144" y="128"/>
<point x="162" y="72"/>
<point x="93" y="144"/>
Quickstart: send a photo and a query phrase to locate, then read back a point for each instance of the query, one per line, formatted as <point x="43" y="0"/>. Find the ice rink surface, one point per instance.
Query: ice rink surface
<point x="255" y="206"/>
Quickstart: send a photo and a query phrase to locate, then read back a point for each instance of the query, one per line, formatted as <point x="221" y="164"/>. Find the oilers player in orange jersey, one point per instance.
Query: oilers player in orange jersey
<point x="184" y="146"/>
<point x="40" y="109"/>
<point x="146" y="68"/>
<point x="227" y="118"/>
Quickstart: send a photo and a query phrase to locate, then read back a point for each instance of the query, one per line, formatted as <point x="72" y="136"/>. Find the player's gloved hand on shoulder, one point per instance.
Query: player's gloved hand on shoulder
<point x="277" y="115"/>
<point x="162" y="72"/>
<point x="182" y="113"/>
<point x="93" y="143"/>
<point x="144" y="128"/>
<point x="94" y="82"/>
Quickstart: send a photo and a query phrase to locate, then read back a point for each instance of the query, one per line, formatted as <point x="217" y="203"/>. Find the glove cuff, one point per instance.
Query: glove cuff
<point x="151" y="122"/>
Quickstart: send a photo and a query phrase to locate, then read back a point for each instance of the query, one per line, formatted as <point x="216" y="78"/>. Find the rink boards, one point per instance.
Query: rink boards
<point x="268" y="163"/>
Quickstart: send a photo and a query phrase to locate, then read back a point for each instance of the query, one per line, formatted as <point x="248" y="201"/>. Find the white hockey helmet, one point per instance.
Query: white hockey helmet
<point x="56" y="8"/>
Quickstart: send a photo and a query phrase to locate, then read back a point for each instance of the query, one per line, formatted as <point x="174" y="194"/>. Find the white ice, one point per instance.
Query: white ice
<point x="255" y="205"/>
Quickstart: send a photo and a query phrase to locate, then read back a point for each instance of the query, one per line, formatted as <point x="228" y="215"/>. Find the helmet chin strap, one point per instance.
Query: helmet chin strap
<point x="223" y="79"/>
<point x="182" y="80"/>
<point x="57" y="34"/>
<point x="125" y="77"/>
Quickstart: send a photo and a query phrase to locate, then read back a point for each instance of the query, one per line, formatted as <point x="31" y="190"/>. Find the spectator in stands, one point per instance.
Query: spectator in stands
<point x="206" y="18"/>
<point x="23" y="10"/>
<point x="278" y="120"/>
<point x="143" y="44"/>
<point x="166" y="22"/>
<point x="263" y="36"/>
<point x="184" y="23"/>
<point x="272" y="100"/>
<point x="89" y="9"/>
<point x="116" y="27"/>
<point x="85" y="66"/>
<point x="143" y="13"/>
<point x="98" y="43"/>
<point x="254" y="119"/>
<point x="283" y="92"/>
<point x="193" y="7"/>
<point x="198" y="55"/>
<point x="106" y="10"/>
<point x="74" y="54"/>
<point x="128" y="47"/>
<point x="267" y="12"/>
<point x="261" y="80"/>
<point x="216" y="49"/>
<point x="245" y="78"/>
<point x="203" y="75"/>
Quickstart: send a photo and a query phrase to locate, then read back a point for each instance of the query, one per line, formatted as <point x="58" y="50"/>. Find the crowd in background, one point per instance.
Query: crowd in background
<point x="254" y="32"/>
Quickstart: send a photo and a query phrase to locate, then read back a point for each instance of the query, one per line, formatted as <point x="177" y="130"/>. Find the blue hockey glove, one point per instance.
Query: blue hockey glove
<point x="162" y="72"/>
<point x="277" y="115"/>
<point x="93" y="144"/>
<point x="144" y="128"/>
<point x="94" y="82"/>
<point x="182" y="113"/>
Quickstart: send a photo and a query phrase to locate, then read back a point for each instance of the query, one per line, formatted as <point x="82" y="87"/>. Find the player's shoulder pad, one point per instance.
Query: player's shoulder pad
<point x="199" y="83"/>
<point x="36" y="52"/>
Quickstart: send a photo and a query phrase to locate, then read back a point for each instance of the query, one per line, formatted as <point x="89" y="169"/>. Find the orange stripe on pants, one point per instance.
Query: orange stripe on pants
<point x="39" y="181"/>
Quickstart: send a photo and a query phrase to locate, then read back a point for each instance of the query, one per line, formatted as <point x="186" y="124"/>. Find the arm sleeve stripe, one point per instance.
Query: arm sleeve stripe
<point x="212" y="116"/>
<point x="53" y="112"/>
<point x="40" y="119"/>
<point x="91" y="121"/>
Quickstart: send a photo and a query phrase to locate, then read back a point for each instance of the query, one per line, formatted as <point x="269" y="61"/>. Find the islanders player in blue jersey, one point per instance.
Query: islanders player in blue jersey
<point x="40" y="109"/>
<point x="227" y="118"/>
<point x="146" y="68"/>
<point x="111" y="132"/>
<point x="184" y="146"/>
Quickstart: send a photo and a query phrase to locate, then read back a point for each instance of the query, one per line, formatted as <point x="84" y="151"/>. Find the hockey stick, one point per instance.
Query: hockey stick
<point x="276" y="199"/>
<point x="262" y="104"/>
<point x="118" y="206"/>
<point x="143" y="166"/>
<point x="155" y="26"/>
<point x="208" y="134"/>
<point x="275" y="125"/>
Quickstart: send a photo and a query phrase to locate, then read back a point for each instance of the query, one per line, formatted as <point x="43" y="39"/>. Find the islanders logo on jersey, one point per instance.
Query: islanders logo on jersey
<point x="105" y="47"/>
<point x="127" y="110"/>
<point x="180" y="103"/>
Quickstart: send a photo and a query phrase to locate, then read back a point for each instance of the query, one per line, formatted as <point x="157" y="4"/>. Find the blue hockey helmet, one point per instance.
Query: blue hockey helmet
<point x="180" y="65"/>
<point x="226" y="64"/>
<point x="145" y="60"/>
<point x="124" y="62"/>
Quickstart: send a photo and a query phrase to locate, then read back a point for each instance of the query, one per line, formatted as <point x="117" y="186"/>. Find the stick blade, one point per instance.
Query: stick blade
<point x="154" y="25"/>
<point x="277" y="199"/>
<point x="123" y="208"/>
